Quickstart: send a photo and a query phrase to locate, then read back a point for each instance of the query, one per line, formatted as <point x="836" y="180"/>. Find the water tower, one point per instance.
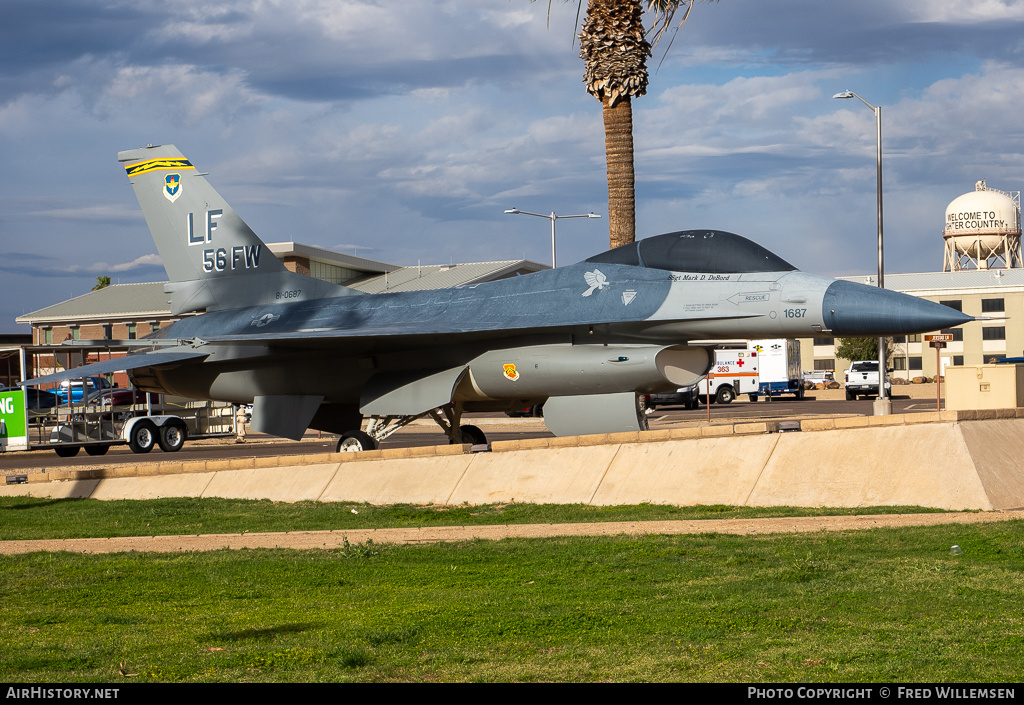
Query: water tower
<point x="982" y="230"/>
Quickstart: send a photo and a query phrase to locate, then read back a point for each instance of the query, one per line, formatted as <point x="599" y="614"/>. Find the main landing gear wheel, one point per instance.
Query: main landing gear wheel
<point x="143" y="437"/>
<point x="172" y="437"/>
<point x="472" y="435"/>
<point x="355" y="441"/>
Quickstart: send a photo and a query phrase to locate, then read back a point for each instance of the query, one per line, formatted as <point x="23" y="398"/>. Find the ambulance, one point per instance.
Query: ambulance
<point x="735" y="372"/>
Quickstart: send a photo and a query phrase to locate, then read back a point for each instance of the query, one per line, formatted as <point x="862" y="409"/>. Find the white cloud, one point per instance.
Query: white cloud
<point x="179" y="92"/>
<point x="962" y="11"/>
<point x="91" y="212"/>
<point x="144" y="261"/>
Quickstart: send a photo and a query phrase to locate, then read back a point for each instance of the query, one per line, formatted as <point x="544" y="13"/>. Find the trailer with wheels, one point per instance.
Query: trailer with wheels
<point x="144" y="432"/>
<point x="93" y="415"/>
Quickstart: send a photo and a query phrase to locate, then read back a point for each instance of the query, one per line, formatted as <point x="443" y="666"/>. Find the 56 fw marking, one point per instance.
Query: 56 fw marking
<point x="241" y="257"/>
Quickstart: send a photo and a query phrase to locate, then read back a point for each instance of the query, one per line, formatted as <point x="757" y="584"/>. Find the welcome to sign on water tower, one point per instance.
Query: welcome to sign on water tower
<point x="982" y="230"/>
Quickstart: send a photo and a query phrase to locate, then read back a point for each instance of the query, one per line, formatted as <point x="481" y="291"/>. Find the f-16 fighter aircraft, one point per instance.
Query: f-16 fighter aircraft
<point x="585" y="340"/>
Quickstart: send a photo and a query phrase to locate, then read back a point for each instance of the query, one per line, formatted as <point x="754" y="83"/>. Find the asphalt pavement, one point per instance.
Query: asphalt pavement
<point x="497" y="427"/>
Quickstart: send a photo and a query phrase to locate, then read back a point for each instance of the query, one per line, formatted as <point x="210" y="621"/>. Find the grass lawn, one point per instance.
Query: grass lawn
<point x="883" y="605"/>
<point x="40" y="518"/>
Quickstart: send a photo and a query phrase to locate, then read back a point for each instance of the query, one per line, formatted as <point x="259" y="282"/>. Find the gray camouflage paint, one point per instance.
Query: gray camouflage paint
<point x="596" y="330"/>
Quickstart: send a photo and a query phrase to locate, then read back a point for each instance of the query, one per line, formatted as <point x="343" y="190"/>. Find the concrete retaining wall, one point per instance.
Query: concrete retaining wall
<point x="950" y="460"/>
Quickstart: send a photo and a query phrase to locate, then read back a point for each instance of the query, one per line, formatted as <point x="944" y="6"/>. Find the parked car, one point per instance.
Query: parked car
<point x="529" y="411"/>
<point x="41" y="400"/>
<point x="81" y="389"/>
<point x="686" y="397"/>
<point x="118" y="397"/>
<point x="116" y="403"/>
<point x="818" y="376"/>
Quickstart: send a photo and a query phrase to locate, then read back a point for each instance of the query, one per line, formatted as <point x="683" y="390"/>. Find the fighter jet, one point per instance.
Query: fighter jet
<point x="586" y="340"/>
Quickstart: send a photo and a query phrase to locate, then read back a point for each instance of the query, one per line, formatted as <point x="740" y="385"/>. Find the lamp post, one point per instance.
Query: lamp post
<point x="552" y="217"/>
<point x="883" y="405"/>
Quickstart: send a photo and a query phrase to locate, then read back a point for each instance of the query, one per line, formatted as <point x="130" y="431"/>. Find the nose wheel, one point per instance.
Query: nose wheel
<point x="355" y="441"/>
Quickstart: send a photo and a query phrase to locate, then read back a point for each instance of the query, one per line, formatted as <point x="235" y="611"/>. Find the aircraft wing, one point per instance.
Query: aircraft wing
<point x="118" y="364"/>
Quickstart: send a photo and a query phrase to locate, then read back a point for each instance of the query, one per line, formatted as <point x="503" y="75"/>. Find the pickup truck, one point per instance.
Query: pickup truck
<point x="862" y="378"/>
<point x="80" y="390"/>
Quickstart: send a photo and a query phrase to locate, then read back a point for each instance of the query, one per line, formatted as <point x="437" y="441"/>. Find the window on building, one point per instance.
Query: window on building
<point x="993" y="333"/>
<point x="957" y="333"/>
<point x="916" y="338"/>
<point x="916" y="363"/>
<point x="154" y="327"/>
<point x="958" y="360"/>
<point x="992" y="306"/>
<point x="76" y="333"/>
<point x="331" y="272"/>
<point x="829" y="364"/>
<point x="131" y="331"/>
<point x="108" y="331"/>
<point x="48" y="336"/>
<point x="824" y="341"/>
<point x="955" y="303"/>
<point x="899" y="339"/>
<point x="991" y="359"/>
<point x="899" y="363"/>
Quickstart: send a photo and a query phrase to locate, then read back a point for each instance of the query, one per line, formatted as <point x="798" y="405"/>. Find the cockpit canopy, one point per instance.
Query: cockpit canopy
<point x="710" y="251"/>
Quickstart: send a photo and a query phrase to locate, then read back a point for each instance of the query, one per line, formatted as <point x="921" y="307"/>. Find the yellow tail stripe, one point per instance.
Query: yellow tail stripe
<point x="157" y="164"/>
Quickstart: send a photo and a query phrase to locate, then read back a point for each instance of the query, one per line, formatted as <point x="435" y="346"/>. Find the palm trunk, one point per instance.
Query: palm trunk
<point x="618" y="146"/>
<point x="614" y="52"/>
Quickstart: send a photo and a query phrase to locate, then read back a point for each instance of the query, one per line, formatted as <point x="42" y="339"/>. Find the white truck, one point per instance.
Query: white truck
<point x="862" y="379"/>
<point x="779" y="367"/>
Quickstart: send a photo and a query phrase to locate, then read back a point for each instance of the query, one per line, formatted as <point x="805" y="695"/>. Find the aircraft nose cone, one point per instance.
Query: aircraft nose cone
<point x="856" y="310"/>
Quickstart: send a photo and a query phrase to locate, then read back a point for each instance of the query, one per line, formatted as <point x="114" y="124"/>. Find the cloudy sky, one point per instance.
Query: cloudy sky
<point x="401" y="131"/>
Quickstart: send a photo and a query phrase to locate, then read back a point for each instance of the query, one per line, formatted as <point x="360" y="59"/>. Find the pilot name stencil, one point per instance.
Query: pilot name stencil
<point x="700" y="277"/>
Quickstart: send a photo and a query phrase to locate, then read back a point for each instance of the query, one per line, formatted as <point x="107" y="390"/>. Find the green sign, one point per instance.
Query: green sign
<point x="12" y="419"/>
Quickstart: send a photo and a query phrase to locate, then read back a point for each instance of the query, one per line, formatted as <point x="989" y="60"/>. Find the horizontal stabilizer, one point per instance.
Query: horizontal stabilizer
<point x="118" y="364"/>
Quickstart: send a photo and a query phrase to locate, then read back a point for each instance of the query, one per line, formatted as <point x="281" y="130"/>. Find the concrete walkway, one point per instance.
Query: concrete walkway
<point x="338" y="539"/>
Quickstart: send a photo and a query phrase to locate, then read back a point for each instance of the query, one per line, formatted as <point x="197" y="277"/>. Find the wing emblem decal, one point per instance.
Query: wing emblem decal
<point x="265" y="319"/>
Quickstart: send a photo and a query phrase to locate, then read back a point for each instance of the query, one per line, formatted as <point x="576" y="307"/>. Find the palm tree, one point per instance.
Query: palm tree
<point x="614" y="49"/>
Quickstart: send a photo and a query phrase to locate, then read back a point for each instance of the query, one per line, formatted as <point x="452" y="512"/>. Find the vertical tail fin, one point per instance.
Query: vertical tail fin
<point x="213" y="259"/>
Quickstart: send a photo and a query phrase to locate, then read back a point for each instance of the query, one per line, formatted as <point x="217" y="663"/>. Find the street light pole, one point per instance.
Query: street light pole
<point x="883" y="405"/>
<point x="552" y="217"/>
